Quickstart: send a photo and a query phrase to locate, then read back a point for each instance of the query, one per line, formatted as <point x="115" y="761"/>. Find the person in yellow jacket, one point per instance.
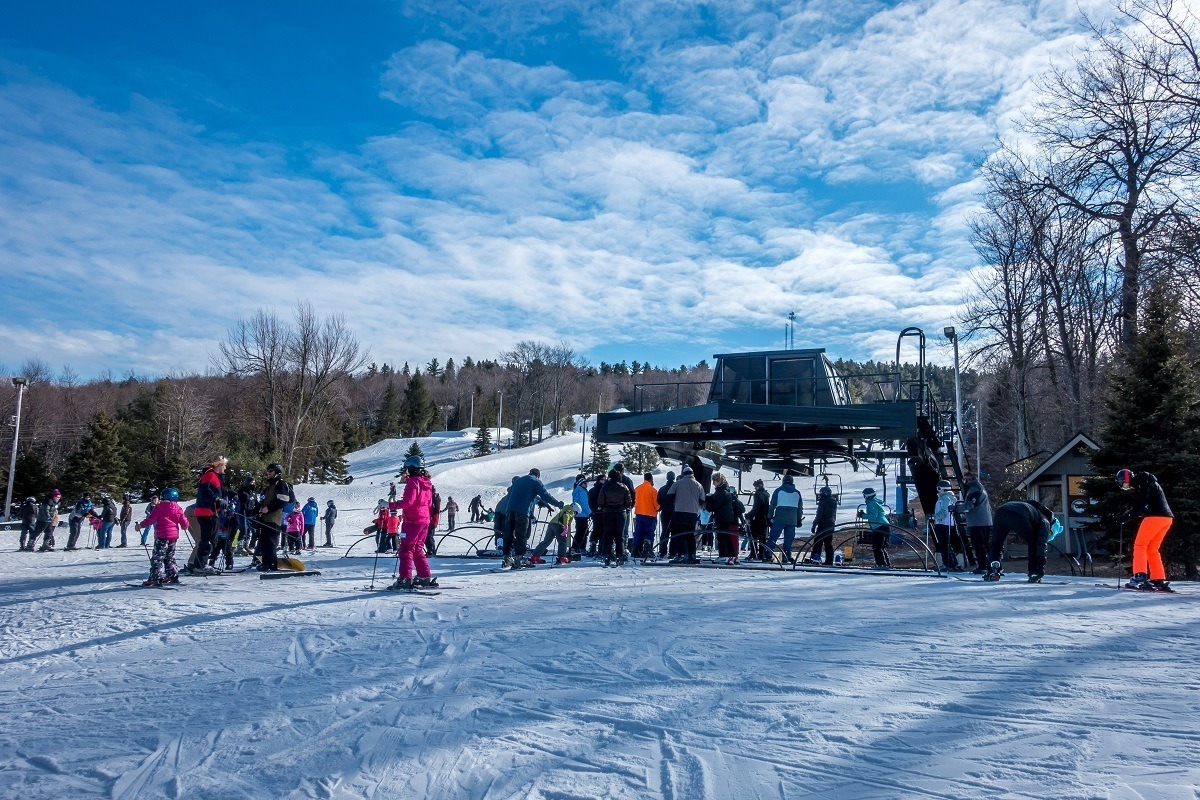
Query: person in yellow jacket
<point x="556" y="530"/>
<point x="645" y="515"/>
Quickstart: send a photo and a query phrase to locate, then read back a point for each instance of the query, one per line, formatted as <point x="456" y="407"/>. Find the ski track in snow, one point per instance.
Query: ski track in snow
<point x="581" y="682"/>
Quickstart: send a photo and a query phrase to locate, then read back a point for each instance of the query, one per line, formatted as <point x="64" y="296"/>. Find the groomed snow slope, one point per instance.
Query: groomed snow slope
<point x="581" y="682"/>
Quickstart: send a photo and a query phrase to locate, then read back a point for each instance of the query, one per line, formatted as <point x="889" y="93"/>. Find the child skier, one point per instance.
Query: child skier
<point x="415" y="506"/>
<point x="556" y="530"/>
<point x="168" y="519"/>
<point x="226" y="525"/>
<point x="294" y="520"/>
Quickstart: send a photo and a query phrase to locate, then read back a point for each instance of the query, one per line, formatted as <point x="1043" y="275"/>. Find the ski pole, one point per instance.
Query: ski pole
<point x="1120" y="553"/>
<point x="373" y="567"/>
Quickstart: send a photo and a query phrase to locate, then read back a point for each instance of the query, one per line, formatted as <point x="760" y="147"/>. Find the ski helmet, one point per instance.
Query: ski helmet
<point x="330" y="503"/>
<point x="825" y="491"/>
<point x="578" y="509"/>
<point x="170" y="494"/>
<point x="312" y="499"/>
<point x="869" y="493"/>
<point x="414" y="463"/>
<point x="944" y="486"/>
<point x="1125" y="479"/>
<point x="276" y="468"/>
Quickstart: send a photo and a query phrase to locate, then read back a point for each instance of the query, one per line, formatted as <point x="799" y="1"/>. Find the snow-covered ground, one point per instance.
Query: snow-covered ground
<point x="581" y="682"/>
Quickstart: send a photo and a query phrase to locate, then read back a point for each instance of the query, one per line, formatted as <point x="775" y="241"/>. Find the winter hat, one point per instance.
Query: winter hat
<point x="686" y="471"/>
<point x="758" y="482"/>
<point x="648" y="476"/>
<point x="789" y="480"/>
<point x="825" y="491"/>
<point x="330" y="503"/>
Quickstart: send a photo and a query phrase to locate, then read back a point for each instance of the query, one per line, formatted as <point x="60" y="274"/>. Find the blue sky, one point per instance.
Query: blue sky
<point x="657" y="179"/>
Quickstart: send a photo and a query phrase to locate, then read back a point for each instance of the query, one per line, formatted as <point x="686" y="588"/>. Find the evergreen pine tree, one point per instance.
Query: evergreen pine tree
<point x="638" y="458"/>
<point x="99" y="464"/>
<point x="418" y="412"/>
<point x="601" y="460"/>
<point x="33" y="477"/>
<point x="483" y="440"/>
<point x="387" y="419"/>
<point x="1154" y="426"/>
<point x="414" y="449"/>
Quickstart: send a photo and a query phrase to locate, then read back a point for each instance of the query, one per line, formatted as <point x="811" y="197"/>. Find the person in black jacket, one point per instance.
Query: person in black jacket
<point x="759" y="518"/>
<point x="666" y="504"/>
<point x="247" y="498"/>
<point x="597" y="517"/>
<point x="276" y="495"/>
<point x="615" y="502"/>
<point x="29" y="512"/>
<point x="625" y="479"/>
<point x="823" y="524"/>
<point x="724" y="518"/>
<point x="1029" y="520"/>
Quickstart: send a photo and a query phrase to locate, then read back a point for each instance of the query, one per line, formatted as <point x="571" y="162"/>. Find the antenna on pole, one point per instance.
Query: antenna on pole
<point x="792" y="330"/>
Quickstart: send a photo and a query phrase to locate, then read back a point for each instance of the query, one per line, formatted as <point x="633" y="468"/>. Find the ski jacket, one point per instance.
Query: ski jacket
<point x="311" y="512"/>
<point x="126" y="512"/>
<point x="476" y="503"/>
<point x="109" y="511"/>
<point x="876" y="514"/>
<point x="295" y="522"/>
<point x="330" y="514"/>
<point x="1149" y="499"/>
<point x="502" y="507"/>
<point x="48" y="510"/>
<point x="168" y="519"/>
<point x="943" y="512"/>
<point x="29" y="511"/>
<point x="580" y="495"/>
<point x="666" y="500"/>
<point x="381" y="520"/>
<point x="564" y="517"/>
<point x="247" y="498"/>
<point x="1024" y="518"/>
<point x="826" y="516"/>
<point x="391" y="523"/>
<point x="760" y="507"/>
<point x="720" y="505"/>
<point x="525" y="492"/>
<point x="82" y="509"/>
<point x="276" y="496"/>
<point x="978" y="507"/>
<point x="615" y="497"/>
<point x="787" y="505"/>
<point x="625" y="479"/>
<point x="208" y="493"/>
<point x="415" y="505"/>
<point x="688" y="494"/>
<point x="645" y="500"/>
<point x="452" y="507"/>
<point x="594" y="494"/>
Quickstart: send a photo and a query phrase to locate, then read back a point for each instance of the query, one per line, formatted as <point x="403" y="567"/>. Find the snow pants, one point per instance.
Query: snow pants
<point x="329" y="534"/>
<point x="880" y="535"/>
<point x="27" y="534"/>
<point x="1006" y="521"/>
<point x="942" y="535"/>
<point x="822" y="542"/>
<point x="310" y="532"/>
<point x="579" y="543"/>
<point x="431" y="541"/>
<point x="1146" y="557"/>
<point x="450" y="520"/>
<point x="500" y="529"/>
<point x="554" y="533"/>
<point x="412" y="552"/>
<point x="208" y="538"/>
<point x="980" y="536"/>
<point x="728" y="541"/>
<point x="517" y="540"/>
<point x="74" y="526"/>
<point x="613" y="534"/>
<point x="43" y="527"/>
<point x="162" y="560"/>
<point x="664" y="535"/>
<point x="222" y="547"/>
<point x="268" y="545"/>
<point x="597" y="531"/>
<point x="683" y="534"/>
<point x="643" y="535"/>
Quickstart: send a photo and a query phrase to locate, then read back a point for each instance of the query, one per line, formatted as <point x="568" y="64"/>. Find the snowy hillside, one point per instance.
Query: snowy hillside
<point x="581" y="682"/>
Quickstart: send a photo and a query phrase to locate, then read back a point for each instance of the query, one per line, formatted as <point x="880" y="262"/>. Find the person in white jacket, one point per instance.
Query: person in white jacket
<point x="944" y="526"/>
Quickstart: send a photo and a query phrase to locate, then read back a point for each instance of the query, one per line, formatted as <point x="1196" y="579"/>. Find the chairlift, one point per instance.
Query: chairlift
<point x="825" y="479"/>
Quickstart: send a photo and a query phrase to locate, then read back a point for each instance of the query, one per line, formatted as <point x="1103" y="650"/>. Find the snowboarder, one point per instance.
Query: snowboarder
<point x="666" y="504"/>
<point x="787" y="510"/>
<point x="168" y="519"/>
<point x="1150" y="503"/>
<point x="978" y="511"/>
<point x="645" y="517"/>
<point x="1029" y="520"/>
<point x="415" y="505"/>
<point x="688" y="497"/>
<point x="277" y="495"/>
<point x="556" y="530"/>
<point x="880" y="532"/>
<point x="945" y="526"/>
<point x="311" y="512"/>
<point x="329" y="518"/>
<point x="615" y="501"/>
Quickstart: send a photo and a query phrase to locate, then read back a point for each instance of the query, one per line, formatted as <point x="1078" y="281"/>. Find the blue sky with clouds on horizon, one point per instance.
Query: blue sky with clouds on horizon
<point x="644" y="179"/>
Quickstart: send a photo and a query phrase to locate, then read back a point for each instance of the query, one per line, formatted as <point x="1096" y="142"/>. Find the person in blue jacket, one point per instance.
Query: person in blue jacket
<point x="312" y="513"/>
<point x="579" y="496"/>
<point x="521" y="497"/>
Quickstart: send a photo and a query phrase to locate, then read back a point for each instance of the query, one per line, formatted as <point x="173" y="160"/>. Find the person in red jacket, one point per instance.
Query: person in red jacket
<point x="415" y="505"/>
<point x="208" y="500"/>
<point x="168" y="519"/>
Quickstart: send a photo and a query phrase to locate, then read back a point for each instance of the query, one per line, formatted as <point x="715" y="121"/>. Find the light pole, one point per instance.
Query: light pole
<point x="952" y="335"/>
<point x="471" y="424"/>
<point x="499" y="419"/>
<point x="20" y="384"/>
<point x="583" y="444"/>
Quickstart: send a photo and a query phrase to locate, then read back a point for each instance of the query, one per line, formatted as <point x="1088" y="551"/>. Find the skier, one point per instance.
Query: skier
<point x="125" y="518"/>
<point x="1028" y="519"/>
<point x="625" y="479"/>
<point x="277" y="495"/>
<point x="645" y="511"/>
<point x="597" y="518"/>
<point x="724" y="515"/>
<point x="760" y="518"/>
<point x="880" y="532"/>
<point x="666" y="504"/>
<point x="226" y="525"/>
<point x="786" y="508"/>
<point x="1150" y="503"/>
<point x="311" y="512"/>
<point x="108" y="521"/>
<point x="391" y="491"/>
<point x="294" y="520"/>
<point x="556" y="530"/>
<point x="81" y="511"/>
<point x="47" y="519"/>
<point x="688" y="497"/>
<point x="329" y="518"/>
<point x="524" y="493"/>
<point x="451" y="512"/>
<point x="247" y="498"/>
<point x="579" y="496"/>
<point x="978" y="511"/>
<point x="168" y="519"/>
<point x="500" y="521"/>
<point x="615" y="501"/>
<point x="944" y="526"/>
<point x="824" y="522"/>
<point x="208" y="500"/>
<point x="29" y="514"/>
<point x="415" y="506"/>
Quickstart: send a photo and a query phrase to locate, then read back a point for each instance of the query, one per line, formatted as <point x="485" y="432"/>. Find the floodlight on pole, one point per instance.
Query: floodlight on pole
<point x="952" y="335"/>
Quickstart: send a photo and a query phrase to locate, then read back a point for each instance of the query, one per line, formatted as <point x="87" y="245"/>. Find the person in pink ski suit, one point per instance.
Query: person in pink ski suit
<point x="168" y="520"/>
<point x="415" y="507"/>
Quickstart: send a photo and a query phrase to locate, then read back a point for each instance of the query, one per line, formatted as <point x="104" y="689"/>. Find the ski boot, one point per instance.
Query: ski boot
<point x="536" y="559"/>
<point x="401" y="585"/>
<point x="507" y="563"/>
<point x="1140" y="583"/>
<point x="1162" y="586"/>
<point x="562" y="560"/>
<point x="525" y="563"/>
<point x="151" y="582"/>
<point x="425" y="583"/>
<point x="171" y="579"/>
<point x="993" y="572"/>
<point x="1035" y="578"/>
